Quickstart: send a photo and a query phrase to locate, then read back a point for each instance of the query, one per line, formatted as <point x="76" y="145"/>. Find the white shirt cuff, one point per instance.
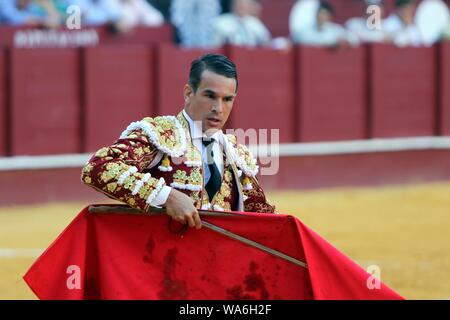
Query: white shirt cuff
<point x="161" y="199"/>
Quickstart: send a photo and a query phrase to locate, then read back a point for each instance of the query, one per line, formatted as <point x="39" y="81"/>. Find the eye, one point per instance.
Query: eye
<point x="229" y="99"/>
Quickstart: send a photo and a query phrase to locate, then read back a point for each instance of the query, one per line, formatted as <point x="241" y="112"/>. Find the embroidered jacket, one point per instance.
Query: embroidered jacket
<point x="156" y="152"/>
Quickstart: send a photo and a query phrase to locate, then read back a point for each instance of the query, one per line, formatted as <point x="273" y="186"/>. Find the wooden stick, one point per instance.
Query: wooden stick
<point x="253" y="244"/>
<point x="154" y="211"/>
<point x="207" y="225"/>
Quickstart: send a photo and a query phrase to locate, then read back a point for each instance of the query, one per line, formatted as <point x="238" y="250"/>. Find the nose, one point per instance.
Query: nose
<point x="218" y="106"/>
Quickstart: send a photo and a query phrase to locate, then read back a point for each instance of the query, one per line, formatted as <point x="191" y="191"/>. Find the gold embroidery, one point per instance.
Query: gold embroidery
<point x="147" y="150"/>
<point x="166" y="161"/>
<point x="221" y="198"/>
<point x="180" y="177"/>
<point x="111" y="186"/>
<point x="165" y="164"/>
<point x="139" y="152"/>
<point x="228" y="176"/>
<point x="112" y="171"/>
<point x="144" y="191"/>
<point x="195" y="177"/>
<point x="88" y="168"/>
<point x="129" y="182"/>
<point x="103" y="152"/>
<point x="168" y="133"/>
<point x="193" y="154"/>
<point x="196" y="197"/>
<point x="246" y="157"/>
<point x="225" y="189"/>
<point x="254" y="193"/>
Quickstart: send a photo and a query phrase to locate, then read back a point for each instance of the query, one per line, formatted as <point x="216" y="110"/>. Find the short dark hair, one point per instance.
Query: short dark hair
<point x="216" y="63"/>
<point x="401" y="3"/>
<point x="326" y="6"/>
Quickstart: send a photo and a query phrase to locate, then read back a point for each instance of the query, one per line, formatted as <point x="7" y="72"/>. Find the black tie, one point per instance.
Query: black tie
<point x="215" y="180"/>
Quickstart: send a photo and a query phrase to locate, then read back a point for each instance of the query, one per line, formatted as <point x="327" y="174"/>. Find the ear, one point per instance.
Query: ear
<point x="187" y="92"/>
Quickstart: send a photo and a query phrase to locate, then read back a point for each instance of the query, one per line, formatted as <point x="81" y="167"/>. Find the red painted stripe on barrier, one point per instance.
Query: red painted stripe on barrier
<point x="375" y="169"/>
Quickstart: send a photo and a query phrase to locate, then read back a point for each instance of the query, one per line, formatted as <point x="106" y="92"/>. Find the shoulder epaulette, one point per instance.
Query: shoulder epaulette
<point x="165" y="133"/>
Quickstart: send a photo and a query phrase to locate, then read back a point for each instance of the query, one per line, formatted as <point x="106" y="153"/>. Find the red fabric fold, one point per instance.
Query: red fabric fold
<point x="123" y="256"/>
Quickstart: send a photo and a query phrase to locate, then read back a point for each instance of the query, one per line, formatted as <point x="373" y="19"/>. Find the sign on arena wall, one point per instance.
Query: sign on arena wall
<point x="37" y="38"/>
<point x="27" y="37"/>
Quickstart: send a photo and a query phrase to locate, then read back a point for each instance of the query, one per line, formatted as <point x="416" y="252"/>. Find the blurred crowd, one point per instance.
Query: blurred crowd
<point x="212" y="23"/>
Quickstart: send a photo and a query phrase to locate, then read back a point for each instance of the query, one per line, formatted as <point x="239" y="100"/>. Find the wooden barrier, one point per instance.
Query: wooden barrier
<point x="332" y="94"/>
<point x="403" y="91"/>
<point x="45" y="101"/>
<point x="3" y="104"/>
<point x="58" y="103"/>
<point x="444" y="90"/>
<point x="119" y="89"/>
<point x="265" y="98"/>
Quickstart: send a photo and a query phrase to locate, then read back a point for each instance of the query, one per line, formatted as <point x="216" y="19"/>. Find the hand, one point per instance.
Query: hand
<point x="181" y="208"/>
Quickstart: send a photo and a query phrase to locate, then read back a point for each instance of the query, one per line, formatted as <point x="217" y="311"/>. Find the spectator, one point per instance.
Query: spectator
<point x="137" y="12"/>
<point x="193" y="21"/>
<point x="255" y="8"/>
<point x="241" y="27"/>
<point x="29" y="13"/>
<point x="446" y="33"/>
<point x="432" y="16"/>
<point x="400" y="25"/>
<point x="303" y="15"/>
<point x="362" y="30"/>
<point x="226" y="5"/>
<point x="98" y="12"/>
<point x="162" y="6"/>
<point x="324" y="32"/>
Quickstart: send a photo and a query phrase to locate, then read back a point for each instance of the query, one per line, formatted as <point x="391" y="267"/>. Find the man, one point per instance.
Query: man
<point x="29" y="13"/>
<point x="400" y="26"/>
<point x="242" y="27"/>
<point x="184" y="163"/>
<point x="432" y="17"/>
<point x="303" y="15"/>
<point x="193" y="21"/>
<point x="324" y="32"/>
<point x="135" y="13"/>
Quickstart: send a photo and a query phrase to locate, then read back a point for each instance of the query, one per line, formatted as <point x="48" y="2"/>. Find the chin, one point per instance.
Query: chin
<point x="210" y="131"/>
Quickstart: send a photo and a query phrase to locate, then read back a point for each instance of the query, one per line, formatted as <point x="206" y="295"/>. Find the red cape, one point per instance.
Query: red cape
<point x="122" y="256"/>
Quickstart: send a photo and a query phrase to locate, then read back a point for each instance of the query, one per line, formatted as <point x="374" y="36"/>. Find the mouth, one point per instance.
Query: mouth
<point x="213" y="121"/>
